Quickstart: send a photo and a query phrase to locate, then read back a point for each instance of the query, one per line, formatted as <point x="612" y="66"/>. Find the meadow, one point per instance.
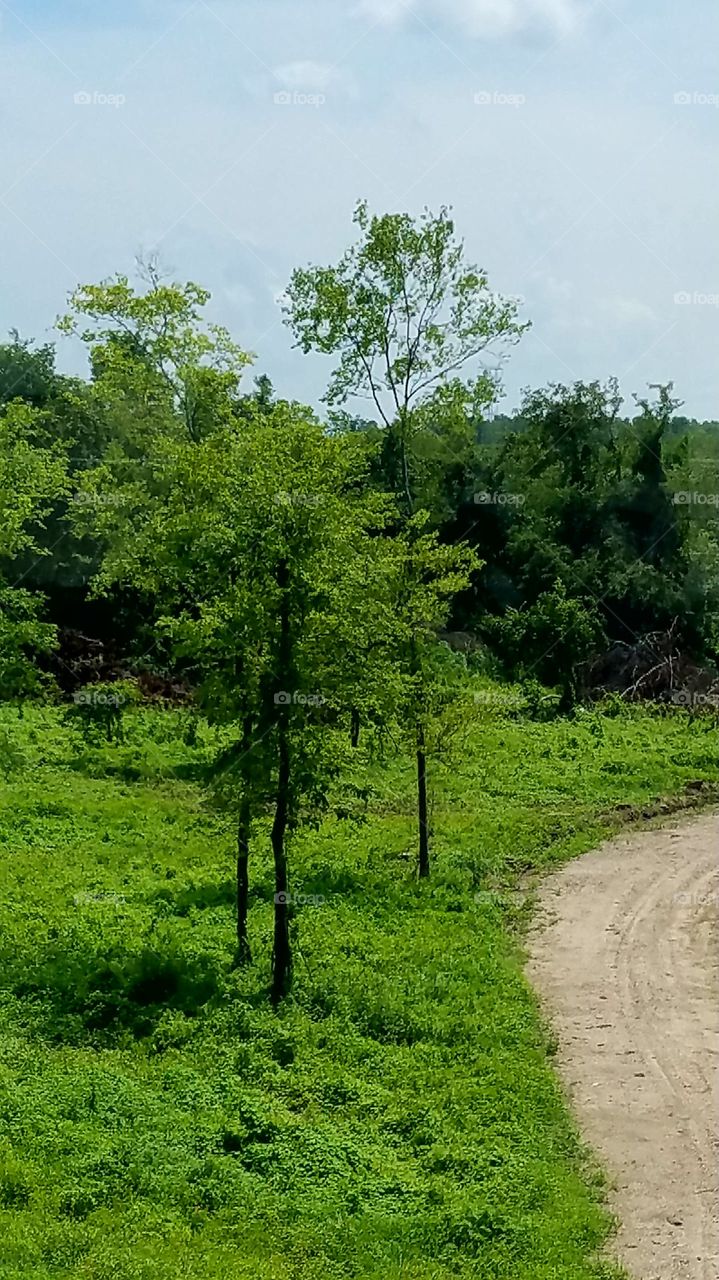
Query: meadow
<point x="397" y="1117"/>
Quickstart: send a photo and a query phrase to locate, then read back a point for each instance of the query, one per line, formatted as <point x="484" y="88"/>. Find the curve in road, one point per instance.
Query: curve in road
<point x="626" y="961"/>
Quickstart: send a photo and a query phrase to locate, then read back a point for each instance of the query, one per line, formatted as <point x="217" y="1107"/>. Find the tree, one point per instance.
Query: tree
<point x="26" y="374"/>
<point x="406" y="315"/>
<point x="154" y="351"/>
<point x="261" y="549"/>
<point x="428" y="577"/>
<point x="565" y="481"/>
<point x="692" y="469"/>
<point x="584" y="498"/>
<point x="160" y="372"/>
<point x="553" y="639"/>
<point x="557" y="477"/>
<point x="59" y="564"/>
<point x="31" y="478"/>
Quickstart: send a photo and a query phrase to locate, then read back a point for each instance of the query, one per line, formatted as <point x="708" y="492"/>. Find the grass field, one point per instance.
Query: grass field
<point x="399" y="1117"/>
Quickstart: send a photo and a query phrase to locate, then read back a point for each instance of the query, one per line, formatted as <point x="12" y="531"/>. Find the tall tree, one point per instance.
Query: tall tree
<point x="406" y="316"/>
<point x="262" y="550"/>
<point x="428" y="577"/>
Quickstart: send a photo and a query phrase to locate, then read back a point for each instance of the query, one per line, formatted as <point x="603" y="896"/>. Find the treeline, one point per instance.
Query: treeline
<point x="294" y="571"/>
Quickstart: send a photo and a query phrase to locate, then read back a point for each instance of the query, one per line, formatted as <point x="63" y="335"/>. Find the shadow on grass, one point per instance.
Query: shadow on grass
<point x="197" y="897"/>
<point x="79" y="996"/>
<point x="322" y="882"/>
<point x="127" y="765"/>
<point x="331" y="882"/>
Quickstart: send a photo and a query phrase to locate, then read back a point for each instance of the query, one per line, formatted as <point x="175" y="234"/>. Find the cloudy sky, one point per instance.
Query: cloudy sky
<point x="575" y="141"/>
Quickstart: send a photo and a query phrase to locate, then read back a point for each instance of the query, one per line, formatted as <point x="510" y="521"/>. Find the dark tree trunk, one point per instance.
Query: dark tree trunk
<point x="281" y="952"/>
<point x="354" y="727"/>
<point x="405" y="466"/>
<point x="568" y="698"/>
<point x="243" y="888"/>
<point x="423" y="864"/>
<point x="243" y="849"/>
<point x="243" y="955"/>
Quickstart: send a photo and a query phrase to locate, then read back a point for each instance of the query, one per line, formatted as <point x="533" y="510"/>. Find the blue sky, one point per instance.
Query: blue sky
<point x="578" y="178"/>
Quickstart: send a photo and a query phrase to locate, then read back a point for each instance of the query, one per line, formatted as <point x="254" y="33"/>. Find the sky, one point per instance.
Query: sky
<point x="575" y="141"/>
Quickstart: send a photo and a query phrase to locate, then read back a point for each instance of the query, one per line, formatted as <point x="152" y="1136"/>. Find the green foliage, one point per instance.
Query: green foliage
<point x="23" y="638"/>
<point x="30" y="478"/>
<point x="98" y="709"/>
<point x="26" y="374"/>
<point x="405" y="314"/>
<point x="152" y="351"/>
<point x="401" y="309"/>
<point x="581" y="496"/>
<point x="432" y="685"/>
<point x="396" y="1116"/>
<point x="555" y="637"/>
<point x="399" y="1117"/>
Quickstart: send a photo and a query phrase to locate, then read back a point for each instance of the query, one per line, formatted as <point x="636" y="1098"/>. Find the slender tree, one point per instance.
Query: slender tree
<point x="405" y="316"/>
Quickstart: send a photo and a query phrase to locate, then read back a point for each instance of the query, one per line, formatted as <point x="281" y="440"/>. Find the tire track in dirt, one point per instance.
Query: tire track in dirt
<point x="626" y="960"/>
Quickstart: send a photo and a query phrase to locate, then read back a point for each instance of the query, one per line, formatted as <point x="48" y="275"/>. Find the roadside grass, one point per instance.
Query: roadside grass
<point x="399" y="1118"/>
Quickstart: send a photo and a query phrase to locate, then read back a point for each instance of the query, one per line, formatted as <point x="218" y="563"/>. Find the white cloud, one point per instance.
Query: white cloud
<point x="480" y="18"/>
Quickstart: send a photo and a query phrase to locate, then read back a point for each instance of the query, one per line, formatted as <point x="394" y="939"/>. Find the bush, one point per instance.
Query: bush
<point x="550" y="639"/>
<point x="23" y="637"/>
<point x="98" y="709"/>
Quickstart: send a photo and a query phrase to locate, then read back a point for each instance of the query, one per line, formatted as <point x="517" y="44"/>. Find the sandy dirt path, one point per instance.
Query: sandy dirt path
<point x="625" y="957"/>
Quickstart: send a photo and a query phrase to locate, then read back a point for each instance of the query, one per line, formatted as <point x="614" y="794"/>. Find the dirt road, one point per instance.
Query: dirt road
<point x="626" y="959"/>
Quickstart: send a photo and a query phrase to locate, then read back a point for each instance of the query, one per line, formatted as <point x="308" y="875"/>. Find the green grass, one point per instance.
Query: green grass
<point x="399" y="1118"/>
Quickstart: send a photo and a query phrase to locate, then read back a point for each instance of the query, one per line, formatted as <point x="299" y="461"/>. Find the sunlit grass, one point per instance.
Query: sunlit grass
<point x="399" y="1117"/>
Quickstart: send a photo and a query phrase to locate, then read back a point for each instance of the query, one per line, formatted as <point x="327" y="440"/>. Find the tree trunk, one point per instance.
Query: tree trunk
<point x="281" y="952"/>
<point x="243" y="885"/>
<point x="403" y="430"/>
<point x="354" y="727"/>
<point x="423" y="865"/>
<point x="244" y="821"/>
